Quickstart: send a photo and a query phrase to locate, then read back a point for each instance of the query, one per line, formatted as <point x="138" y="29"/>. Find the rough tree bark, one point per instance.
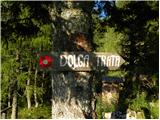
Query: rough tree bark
<point x="71" y="91"/>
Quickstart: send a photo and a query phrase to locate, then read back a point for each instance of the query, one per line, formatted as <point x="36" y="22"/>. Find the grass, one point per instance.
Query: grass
<point x="103" y="107"/>
<point x="41" y="112"/>
<point x="154" y="108"/>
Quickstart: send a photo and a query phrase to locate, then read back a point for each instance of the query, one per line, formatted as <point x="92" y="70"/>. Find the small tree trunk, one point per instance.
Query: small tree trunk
<point x="28" y="90"/>
<point x="14" y="105"/>
<point x="14" y="88"/>
<point x="28" y="94"/>
<point x="35" y="91"/>
<point x="9" y="97"/>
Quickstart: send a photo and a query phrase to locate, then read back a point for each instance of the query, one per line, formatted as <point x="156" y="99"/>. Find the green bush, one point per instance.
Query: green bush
<point x="99" y="107"/>
<point x="41" y="112"/>
<point x="103" y="107"/>
<point x="108" y="107"/>
<point x="139" y="102"/>
<point x="154" y="109"/>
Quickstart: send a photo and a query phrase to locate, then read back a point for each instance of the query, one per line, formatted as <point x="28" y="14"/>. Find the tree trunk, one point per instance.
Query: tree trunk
<point x="14" y="89"/>
<point x="71" y="91"/>
<point x="14" y="105"/>
<point x="28" y="94"/>
<point x="35" y="91"/>
<point x="28" y="90"/>
<point x="9" y="97"/>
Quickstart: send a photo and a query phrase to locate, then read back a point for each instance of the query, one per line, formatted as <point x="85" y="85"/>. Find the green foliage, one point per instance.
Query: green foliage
<point x="40" y="91"/>
<point x="43" y="38"/>
<point x="103" y="107"/>
<point x="108" y="43"/>
<point x="41" y="112"/>
<point x="99" y="109"/>
<point x="139" y="49"/>
<point x="21" y="80"/>
<point x="24" y="29"/>
<point x="118" y="73"/>
<point x="139" y="102"/>
<point x="7" y="76"/>
<point x="122" y="4"/>
<point x="108" y="107"/>
<point x="153" y="5"/>
<point x="154" y="108"/>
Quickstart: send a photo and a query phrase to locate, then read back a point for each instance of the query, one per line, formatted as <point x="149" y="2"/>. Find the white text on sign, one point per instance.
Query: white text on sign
<point x="81" y="60"/>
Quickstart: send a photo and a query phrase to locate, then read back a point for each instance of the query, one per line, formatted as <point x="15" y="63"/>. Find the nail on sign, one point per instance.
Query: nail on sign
<point x="84" y="61"/>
